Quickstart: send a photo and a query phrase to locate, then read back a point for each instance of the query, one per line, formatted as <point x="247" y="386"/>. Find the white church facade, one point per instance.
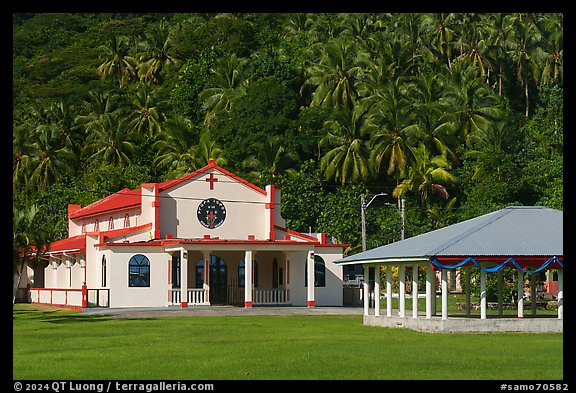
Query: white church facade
<point x="207" y="238"/>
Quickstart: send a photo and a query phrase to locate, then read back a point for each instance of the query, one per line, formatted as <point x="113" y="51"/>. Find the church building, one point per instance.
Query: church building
<point x="207" y="238"/>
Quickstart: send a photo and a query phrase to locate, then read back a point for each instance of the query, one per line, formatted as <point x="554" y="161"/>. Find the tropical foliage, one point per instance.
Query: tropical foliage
<point x="457" y="113"/>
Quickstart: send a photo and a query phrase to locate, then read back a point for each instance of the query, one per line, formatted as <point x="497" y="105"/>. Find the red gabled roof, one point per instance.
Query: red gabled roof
<point x="123" y="199"/>
<point x="211" y="165"/>
<point x="72" y="244"/>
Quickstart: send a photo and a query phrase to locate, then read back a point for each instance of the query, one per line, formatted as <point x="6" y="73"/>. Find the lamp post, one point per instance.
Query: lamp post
<point x="401" y="211"/>
<point x="363" y="206"/>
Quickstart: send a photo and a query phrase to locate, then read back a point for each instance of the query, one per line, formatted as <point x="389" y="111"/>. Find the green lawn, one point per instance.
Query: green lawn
<point x="60" y="345"/>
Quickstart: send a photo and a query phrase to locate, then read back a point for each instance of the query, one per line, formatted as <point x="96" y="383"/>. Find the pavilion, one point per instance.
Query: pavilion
<point x="526" y="238"/>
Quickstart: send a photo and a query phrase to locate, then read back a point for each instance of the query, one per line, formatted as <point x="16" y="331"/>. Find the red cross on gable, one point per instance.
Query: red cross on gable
<point x="212" y="180"/>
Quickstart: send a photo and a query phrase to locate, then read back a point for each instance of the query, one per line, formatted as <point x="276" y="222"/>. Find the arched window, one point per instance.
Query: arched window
<point x="111" y="224"/>
<point x="83" y="227"/>
<point x="241" y="273"/>
<point x="126" y="221"/>
<point x="319" y="272"/>
<point x="103" y="270"/>
<point x="139" y="271"/>
<point x="97" y="225"/>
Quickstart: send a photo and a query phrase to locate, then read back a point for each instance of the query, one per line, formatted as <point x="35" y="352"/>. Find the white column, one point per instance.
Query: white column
<point x="415" y="291"/>
<point x="533" y="292"/>
<point x="402" y="291"/>
<point x="206" y="278"/>
<point x="389" y="290"/>
<point x="468" y="270"/>
<point x="366" y="270"/>
<point x="248" y="278"/>
<point x="560" y="296"/>
<point x="500" y="276"/>
<point x="434" y="289"/>
<point x="377" y="291"/>
<point x="311" y="302"/>
<point x="482" y="294"/>
<point x="430" y="295"/>
<point x="183" y="278"/>
<point x="444" y="273"/>
<point x="365" y="293"/>
<point x="520" y="294"/>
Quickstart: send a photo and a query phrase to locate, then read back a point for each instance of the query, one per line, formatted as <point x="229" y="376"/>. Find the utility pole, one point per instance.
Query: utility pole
<point x="402" y="203"/>
<point x="362" y="208"/>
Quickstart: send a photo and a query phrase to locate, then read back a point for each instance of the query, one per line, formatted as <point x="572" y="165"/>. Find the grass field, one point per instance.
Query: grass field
<point x="58" y="344"/>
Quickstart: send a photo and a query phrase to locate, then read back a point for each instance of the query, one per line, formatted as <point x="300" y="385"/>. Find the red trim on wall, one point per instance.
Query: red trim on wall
<point x="271" y="212"/>
<point x="311" y="303"/>
<point x="247" y="304"/>
<point x="156" y="205"/>
<point x="183" y="304"/>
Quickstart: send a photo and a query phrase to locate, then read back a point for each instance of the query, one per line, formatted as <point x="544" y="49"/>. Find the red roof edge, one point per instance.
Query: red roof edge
<point x="211" y="165"/>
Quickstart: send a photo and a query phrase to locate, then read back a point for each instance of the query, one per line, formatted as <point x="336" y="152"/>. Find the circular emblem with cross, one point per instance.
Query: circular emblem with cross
<point x="211" y="213"/>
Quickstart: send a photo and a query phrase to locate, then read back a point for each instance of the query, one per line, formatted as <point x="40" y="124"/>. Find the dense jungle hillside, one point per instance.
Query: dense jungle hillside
<point x="459" y="114"/>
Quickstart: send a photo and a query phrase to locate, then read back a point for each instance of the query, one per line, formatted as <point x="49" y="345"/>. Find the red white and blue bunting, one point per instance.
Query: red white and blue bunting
<point x="501" y="266"/>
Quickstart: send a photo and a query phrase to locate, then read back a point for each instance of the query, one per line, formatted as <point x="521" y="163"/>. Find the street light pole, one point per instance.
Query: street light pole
<point x="363" y="206"/>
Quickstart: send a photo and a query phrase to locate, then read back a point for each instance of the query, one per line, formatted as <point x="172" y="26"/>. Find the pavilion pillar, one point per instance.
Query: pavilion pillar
<point x="402" y="291"/>
<point x="444" y="273"/>
<point x="500" y="276"/>
<point x="430" y="294"/>
<point x="533" y="293"/>
<point x="365" y="289"/>
<point x="389" y="290"/>
<point x="520" y="294"/>
<point x="560" y="294"/>
<point x="183" y="278"/>
<point x="482" y="294"/>
<point x="468" y="270"/>
<point x="248" y="279"/>
<point x="377" y="291"/>
<point x="415" y="291"/>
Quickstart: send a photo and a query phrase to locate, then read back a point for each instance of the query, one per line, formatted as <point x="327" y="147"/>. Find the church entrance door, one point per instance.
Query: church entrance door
<point x="218" y="273"/>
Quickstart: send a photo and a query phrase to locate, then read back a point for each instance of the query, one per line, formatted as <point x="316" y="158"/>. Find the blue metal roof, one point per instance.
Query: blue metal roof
<point x="512" y="231"/>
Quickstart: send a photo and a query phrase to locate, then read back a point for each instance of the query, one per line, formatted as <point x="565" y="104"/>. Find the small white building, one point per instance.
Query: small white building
<point x="210" y="237"/>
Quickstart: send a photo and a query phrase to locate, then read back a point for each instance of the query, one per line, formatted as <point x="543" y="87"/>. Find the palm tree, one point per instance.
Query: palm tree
<point x="207" y="150"/>
<point x="336" y="74"/>
<point x="112" y="142"/>
<point x="470" y="103"/>
<point x="156" y="53"/>
<point x="272" y="159"/>
<point x="393" y="128"/>
<point x="229" y="75"/>
<point x="429" y="174"/>
<point x="146" y="109"/>
<point x="175" y="148"/>
<point x="28" y="242"/>
<point x="50" y="158"/>
<point x="96" y="105"/>
<point x="522" y="49"/>
<point x="118" y="62"/>
<point x="347" y="141"/>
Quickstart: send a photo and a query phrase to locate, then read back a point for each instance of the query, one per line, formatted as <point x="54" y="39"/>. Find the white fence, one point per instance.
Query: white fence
<point x="59" y="297"/>
<point x="195" y="296"/>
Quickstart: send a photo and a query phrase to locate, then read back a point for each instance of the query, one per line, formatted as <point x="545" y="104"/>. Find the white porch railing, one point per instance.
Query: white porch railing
<point x="59" y="297"/>
<point x="195" y="296"/>
<point x="267" y="296"/>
